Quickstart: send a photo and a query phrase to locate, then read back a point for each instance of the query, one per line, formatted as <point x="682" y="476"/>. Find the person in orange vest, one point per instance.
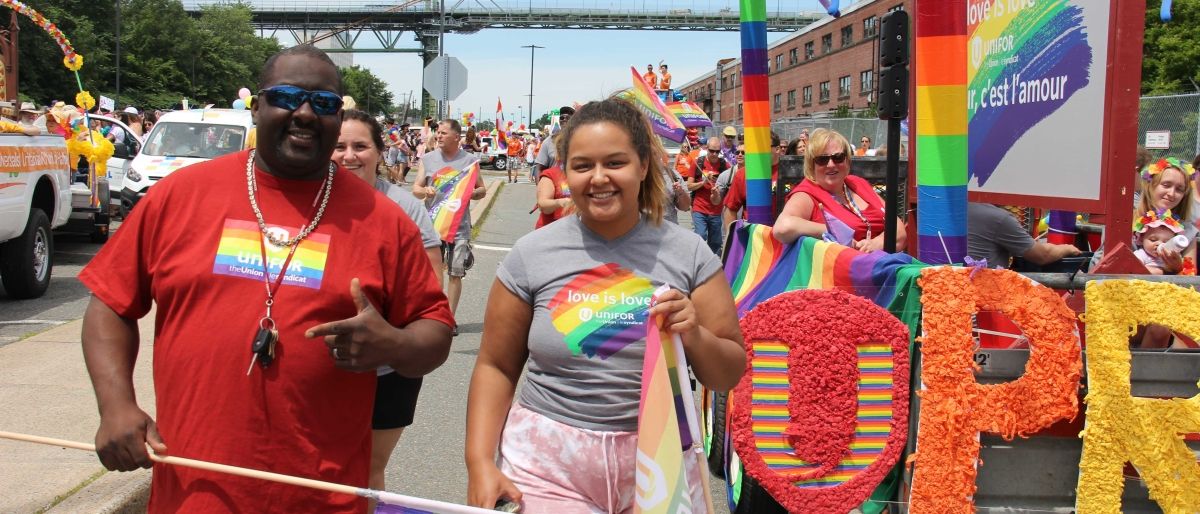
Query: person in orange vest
<point x="514" y="156"/>
<point x="664" y="81"/>
<point x="650" y="78"/>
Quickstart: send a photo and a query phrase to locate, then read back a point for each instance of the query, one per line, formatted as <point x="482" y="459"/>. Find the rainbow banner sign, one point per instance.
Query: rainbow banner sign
<point x="454" y="189"/>
<point x="689" y="114"/>
<point x="646" y="99"/>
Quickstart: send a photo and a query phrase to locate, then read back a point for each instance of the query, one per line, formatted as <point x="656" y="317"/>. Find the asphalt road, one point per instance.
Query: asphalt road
<point x="64" y="301"/>
<point x="428" y="462"/>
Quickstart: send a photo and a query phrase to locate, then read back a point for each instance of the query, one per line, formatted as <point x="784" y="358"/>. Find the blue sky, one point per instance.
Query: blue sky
<point x="575" y="66"/>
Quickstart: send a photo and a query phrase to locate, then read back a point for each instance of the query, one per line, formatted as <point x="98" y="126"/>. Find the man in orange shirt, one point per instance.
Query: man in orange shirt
<point x="514" y="156"/>
<point x="665" y="81"/>
<point x="650" y="78"/>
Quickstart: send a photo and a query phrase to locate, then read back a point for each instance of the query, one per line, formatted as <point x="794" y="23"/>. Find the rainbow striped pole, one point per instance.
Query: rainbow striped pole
<point x="755" y="90"/>
<point x="941" y="130"/>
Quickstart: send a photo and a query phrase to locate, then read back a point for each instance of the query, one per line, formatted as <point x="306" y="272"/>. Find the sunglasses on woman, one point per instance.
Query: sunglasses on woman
<point x="323" y="103"/>
<point x="822" y="160"/>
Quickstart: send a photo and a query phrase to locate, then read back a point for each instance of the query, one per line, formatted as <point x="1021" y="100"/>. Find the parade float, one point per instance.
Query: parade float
<point x="835" y="415"/>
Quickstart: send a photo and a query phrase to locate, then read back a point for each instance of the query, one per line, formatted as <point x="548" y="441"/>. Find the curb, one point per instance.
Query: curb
<point x="485" y="203"/>
<point x="112" y="493"/>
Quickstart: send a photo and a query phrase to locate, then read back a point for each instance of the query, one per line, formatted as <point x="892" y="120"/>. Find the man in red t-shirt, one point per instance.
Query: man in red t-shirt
<point x="735" y="199"/>
<point x="338" y="288"/>
<point x="706" y="199"/>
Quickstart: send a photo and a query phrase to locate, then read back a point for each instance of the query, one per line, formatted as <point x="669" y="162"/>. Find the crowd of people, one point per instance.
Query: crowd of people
<point x="307" y="260"/>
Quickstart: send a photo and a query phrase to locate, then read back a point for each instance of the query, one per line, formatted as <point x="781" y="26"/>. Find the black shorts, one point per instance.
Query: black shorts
<point x="395" y="401"/>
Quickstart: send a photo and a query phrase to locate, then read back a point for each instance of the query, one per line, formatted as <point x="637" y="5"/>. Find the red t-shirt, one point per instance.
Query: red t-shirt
<point x="192" y="248"/>
<point x="735" y="198"/>
<point x="702" y="198"/>
<point x="561" y="190"/>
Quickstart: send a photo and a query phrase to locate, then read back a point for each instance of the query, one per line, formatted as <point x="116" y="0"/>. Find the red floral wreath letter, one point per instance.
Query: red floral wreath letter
<point x="821" y="414"/>
<point x="955" y="408"/>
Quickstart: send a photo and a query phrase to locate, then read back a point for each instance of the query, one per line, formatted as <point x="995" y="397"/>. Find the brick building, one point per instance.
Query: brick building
<point x="830" y="63"/>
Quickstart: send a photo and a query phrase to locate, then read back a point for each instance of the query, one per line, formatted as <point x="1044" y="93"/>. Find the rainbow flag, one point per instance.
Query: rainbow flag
<point x="832" y="7"/>
<point x="758" y="267"/>
<point x="646" y="99"/>
<point x="454" y="189"/>
<point x="501" y="137"/>
<point x="689" y="114"/>
<point x="665" y="427"/>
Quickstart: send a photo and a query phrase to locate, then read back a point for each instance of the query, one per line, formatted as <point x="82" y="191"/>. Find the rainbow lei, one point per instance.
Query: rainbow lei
<point x="1161" y="165"/>
<point x="1120" y="427"/>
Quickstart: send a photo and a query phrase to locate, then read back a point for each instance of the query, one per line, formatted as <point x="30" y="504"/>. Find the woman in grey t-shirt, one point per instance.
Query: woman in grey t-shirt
<point x="571" y="301"/>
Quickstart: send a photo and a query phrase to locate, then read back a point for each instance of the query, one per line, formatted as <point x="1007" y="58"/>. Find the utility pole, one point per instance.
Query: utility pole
<point x="532" y="49"/>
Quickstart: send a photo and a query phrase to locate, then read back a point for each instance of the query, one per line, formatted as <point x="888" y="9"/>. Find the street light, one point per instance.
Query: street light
<point x="532" y="49"/>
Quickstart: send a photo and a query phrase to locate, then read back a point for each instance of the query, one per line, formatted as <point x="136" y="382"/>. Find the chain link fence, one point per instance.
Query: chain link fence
<point x="1172" y="121"/>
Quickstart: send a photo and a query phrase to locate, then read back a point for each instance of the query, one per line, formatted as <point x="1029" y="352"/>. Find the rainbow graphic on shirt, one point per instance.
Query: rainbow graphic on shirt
<point x="602" y="310"/>
<point x="454" y="189"/>
<point x="239" y="254"/>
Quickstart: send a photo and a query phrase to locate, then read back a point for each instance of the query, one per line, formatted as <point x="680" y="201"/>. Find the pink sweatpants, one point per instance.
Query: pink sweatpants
<point x="561" y="469"/>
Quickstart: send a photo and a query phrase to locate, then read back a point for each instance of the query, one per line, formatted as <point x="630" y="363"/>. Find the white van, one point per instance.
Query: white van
<point x="181" y="138"/>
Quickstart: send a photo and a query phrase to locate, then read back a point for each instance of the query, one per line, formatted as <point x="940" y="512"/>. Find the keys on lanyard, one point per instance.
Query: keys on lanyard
<point x="263" y="345"/>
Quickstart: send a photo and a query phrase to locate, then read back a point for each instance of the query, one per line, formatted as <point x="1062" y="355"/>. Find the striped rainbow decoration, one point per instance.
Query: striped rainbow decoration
<point x="759" y="267"/>
<point x="663" y="433"/>
<point x="769" y="412"/>
<point x="454" y="188"/>
<point x="941" y="131"/>
<point x="757" y="116"/>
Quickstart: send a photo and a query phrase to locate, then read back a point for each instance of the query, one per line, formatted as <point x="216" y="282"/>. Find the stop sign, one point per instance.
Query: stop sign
<point x="445" y="78"/>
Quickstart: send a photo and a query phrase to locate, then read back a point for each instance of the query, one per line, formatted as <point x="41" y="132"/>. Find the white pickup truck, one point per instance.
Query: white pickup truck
<point x="35" y="197"/>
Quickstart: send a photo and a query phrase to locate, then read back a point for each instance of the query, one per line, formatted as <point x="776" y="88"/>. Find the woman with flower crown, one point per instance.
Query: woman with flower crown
<point x="1166" y="185"/>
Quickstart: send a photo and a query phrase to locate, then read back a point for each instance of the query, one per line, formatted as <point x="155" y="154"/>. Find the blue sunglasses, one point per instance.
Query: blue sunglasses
<point x="323" y="103"/>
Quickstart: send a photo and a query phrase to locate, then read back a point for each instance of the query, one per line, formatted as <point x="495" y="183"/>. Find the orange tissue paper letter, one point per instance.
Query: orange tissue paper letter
<point x="1143" y="431"/>
<point x="955" y="408"/>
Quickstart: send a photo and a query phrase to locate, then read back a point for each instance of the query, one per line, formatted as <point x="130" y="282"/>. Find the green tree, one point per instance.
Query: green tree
<point x="89" y="27"/>
<point x="543" y="121"/>
<point x="485" y="125"/>
<point x="1171" y="52"/>
<point x="370" y="92"/>
<point x="228" y="56"/>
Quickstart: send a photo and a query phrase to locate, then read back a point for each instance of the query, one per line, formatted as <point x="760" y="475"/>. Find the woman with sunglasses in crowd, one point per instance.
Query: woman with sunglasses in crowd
<point x="830" y="203"/>
<point x="359" y="149"/>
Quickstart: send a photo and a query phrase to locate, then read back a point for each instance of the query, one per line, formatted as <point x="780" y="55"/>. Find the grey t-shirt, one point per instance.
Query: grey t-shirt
<point x="415" y="210"/>
<point x="995" y="235"/>
<point x="587" y="338"/>
<point x="434" y="161"/>
<point x="547" y="156"/>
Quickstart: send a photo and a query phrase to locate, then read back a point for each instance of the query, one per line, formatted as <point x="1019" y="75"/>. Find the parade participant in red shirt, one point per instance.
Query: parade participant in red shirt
<point x="277" y="297"/>
<point x="706" y="199"/>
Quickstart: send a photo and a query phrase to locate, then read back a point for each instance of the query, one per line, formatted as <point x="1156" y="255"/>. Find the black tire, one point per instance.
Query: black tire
<point x="716" y="449"/>
<point x="27" y="261"/>
<point x="756" y="500"/>
<point x="501" y="162"/>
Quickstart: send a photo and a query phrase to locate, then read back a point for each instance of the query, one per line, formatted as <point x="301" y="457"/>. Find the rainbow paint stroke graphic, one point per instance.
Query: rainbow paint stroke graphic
<point x="769" y="413"/>
<point x="454" y="188"/>
<point x="1022" y="67"/>
<point x="239" y="254"/>
<point x="602" y="310"/>
<point x="165" y="165"/>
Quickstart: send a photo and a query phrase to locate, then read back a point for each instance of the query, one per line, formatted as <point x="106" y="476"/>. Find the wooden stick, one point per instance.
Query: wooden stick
<point x="381" y="496"/>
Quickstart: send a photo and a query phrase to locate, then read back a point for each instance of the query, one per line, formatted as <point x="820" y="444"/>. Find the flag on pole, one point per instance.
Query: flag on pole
<point x="832" y="7"/>
<point x="453" y="193"/>
<point x="689" y="114"/>
<point x="501" y="137"/>
<point x="646" y="100"/>
<point x="666" y="427"/>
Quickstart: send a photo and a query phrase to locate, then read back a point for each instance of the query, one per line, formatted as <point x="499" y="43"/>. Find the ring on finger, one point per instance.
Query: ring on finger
<point x="336" y="355"/>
